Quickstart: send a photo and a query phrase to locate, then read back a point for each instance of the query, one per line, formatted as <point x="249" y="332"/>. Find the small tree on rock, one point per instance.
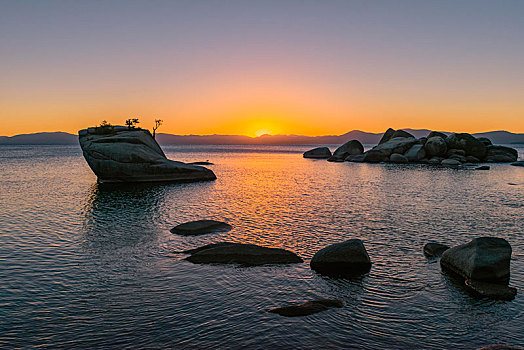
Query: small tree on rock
<point x="132" y="122"/>
<point x="158" y="122"/>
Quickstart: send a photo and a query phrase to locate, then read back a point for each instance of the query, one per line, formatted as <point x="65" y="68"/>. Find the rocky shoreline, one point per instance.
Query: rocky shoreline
<point x="400" y="147"/>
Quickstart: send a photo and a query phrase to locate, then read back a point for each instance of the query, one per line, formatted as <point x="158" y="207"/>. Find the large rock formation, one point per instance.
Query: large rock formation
<point x="435" y="146"/>
<point x="122" y="154"/>
<point x="243" y="254"/>
<point x="501" y="154"/>
<point x="348" y="258"/>
<point x="468" y="143"/>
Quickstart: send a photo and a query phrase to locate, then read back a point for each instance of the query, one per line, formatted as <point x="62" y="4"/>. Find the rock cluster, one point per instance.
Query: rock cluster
<point x="398" y="146"/>
<point x="122" y="154"/>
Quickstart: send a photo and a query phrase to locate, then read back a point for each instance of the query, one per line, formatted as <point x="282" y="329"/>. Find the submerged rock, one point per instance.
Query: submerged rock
<point x="519" y="163"/>
<point x="243" y="254"/>
<point x="492" y="290"/>
<point x="483" y="167"/>
<point x="348" y="258"/>
<point x="434" y="249"/>
<point x="350" y="148"/>
<point x="121" y="154"/>
<point x="318" y="153"/>
<point x="307" y="308"/>
<point x="484" y="259"/>
<point x="200" y="227"/>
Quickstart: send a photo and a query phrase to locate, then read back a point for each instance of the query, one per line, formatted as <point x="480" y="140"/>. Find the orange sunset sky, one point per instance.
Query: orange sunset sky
<point x="282" y="67"/>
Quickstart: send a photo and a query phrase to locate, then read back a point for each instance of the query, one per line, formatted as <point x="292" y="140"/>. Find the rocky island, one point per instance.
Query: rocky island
<point x="129" y="154"/>
<point x="399" y="146"/>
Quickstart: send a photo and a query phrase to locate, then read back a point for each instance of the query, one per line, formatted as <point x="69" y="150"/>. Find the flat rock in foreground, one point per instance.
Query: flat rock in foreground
<point x="200" y="227"/>
<point x="307" y="308"/>
<point x="348" y="258"/>
<point x="243" y="254"/>
<point x="121" y="154"/>
<point x="484" y="259"/>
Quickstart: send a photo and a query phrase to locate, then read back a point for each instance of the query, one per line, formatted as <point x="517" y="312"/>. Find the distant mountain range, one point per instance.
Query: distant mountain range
<point x="63" y="138"/>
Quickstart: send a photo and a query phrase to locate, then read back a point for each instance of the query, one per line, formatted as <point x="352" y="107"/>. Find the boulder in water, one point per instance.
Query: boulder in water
<point x="318" y="153"/>
<point x="415" y="153"/>
<point x="485" y="141"/>
<point x="484" y="259"/>
<point x="373" y="156"/>
<point x="435" y="146"/>
<point x="200" y="227"/>
<point x="350" y="148"/>
<point x="468" y="143"/>
<point x="307" y="308"/>
<point x="396" y="145"/>
<point x="122" y="154"/>
<point x="398" y="158"/>
<point x="243" y="254"/>
<point x="501" y="154"/>
<point x="348" y="258"/>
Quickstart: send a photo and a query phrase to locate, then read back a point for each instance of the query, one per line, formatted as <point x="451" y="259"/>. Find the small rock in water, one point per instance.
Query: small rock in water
<point x="519" y="163"/>
<point x="200" y="227"/>
<point x="243" y="254"/>
<point x="435" y="249"/>
<point x="318" y="153"/>
<point x="483" y="167"/>
<point x="307" y="308"/>
<point x="492" y="290"/>
<point x="451" y="162"/>
<point x="346" y="259"/>
<point x="202" y="163"/>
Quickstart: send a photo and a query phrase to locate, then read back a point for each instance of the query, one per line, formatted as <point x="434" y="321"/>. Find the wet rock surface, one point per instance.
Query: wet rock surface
<point x="434" y="249"/>
<point x="348" y="258"/>
<point x="307" y="308"/>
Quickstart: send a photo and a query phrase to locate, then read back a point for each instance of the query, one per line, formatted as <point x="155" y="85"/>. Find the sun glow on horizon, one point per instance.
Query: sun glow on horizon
<point x="261" y="132"/>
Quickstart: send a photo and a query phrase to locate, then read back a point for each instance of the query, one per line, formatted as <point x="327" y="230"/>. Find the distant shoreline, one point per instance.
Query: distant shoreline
<point x="63" y="138"/>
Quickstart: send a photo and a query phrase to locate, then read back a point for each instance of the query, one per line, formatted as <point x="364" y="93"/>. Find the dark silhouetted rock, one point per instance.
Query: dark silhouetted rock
<point x="435" y="160"/>
<point x="401" y="133"/>
<point x="307" y="308"/>
<point x="396" y="145"/>
<point x="484" y="259"/>
<point x="373" y="156"/>
<point x="451" y="162"/>
<point x="458" y="157"/>
<point x="350" y="148"/>
<point x="348" y="258"/>
<point x="501" y="154"/>
<point x="121" y="154"/>
<point x="435" y="146"/>
<point x="468" y="143"/>
<point x="454" y="151"/>
<point x="200" y="227"/>
<point x="471" y="159"/>
<point x="423" y="140"/>
<point x="485" y="141"/>
<point x="435" y="249"/>
<point x="201" y="163"/>
<point x="358" y="158"/>
<point x="437" y="134"/>
<point x="243" y="254"/>
<point x="492" y="290"/>
<point x="415" y="153"/>
<point x="398" y="158"/>
<point x="387" y="136"/>
<point x="483" y="167"/>
<point x="318" y="153"/>
<point x="519" y="163"/>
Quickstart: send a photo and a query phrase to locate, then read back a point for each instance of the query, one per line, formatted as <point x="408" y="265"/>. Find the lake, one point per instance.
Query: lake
<point x="83" y="266"/>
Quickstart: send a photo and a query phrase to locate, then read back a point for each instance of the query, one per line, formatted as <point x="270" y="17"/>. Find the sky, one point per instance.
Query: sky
<point x="252" y="67"/>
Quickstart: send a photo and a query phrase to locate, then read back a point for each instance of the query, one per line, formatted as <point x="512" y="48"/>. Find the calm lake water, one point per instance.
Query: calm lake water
<point x="89" y="267"/>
